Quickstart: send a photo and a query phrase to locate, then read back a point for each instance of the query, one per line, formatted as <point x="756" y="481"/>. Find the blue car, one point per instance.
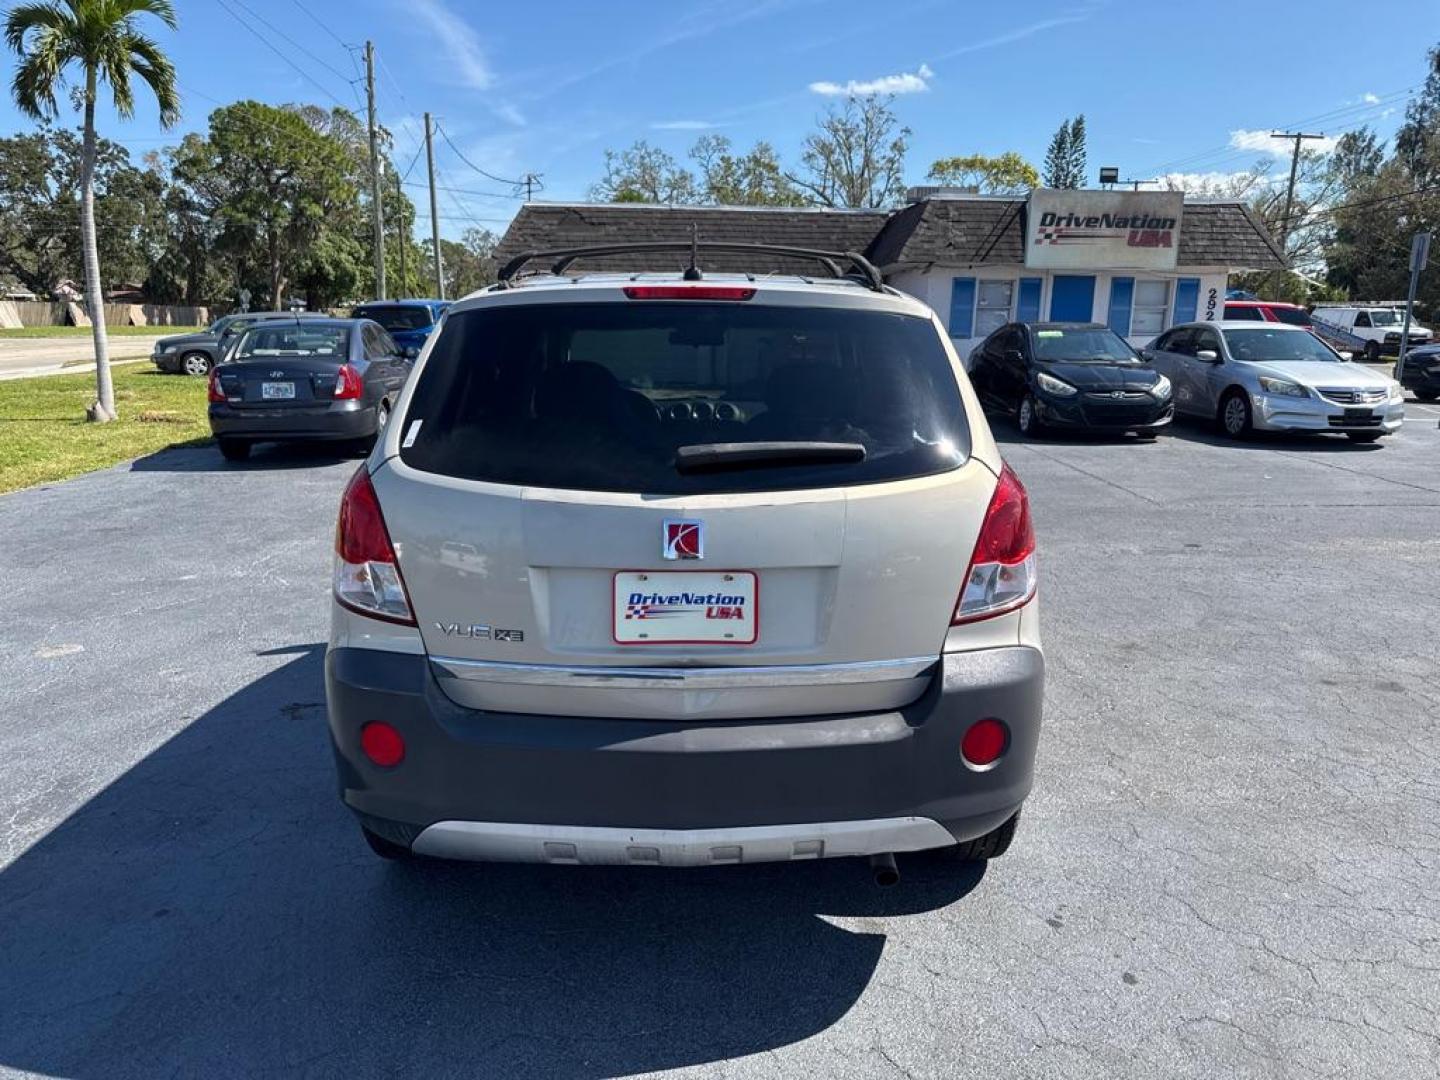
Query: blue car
<point x="408" y="321"/>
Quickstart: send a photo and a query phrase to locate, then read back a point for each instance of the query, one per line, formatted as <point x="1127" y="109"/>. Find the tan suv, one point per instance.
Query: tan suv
<point x="686" y="569"/>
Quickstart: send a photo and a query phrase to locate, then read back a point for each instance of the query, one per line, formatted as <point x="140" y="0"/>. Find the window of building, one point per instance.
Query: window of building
<point x="1152" y="300"/>
<point x="992" y="305"/>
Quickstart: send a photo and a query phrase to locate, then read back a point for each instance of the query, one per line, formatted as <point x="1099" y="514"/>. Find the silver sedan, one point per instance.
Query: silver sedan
<point x="1274" y="377"/>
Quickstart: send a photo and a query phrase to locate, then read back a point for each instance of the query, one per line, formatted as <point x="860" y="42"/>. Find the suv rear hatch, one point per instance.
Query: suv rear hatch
<point x="610" y="505"/>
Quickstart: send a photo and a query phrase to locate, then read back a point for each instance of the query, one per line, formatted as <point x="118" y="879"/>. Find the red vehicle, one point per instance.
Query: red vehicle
<point x="1269" y="311"/>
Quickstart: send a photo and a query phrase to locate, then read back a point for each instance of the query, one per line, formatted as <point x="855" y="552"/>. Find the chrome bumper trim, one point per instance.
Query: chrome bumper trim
<point x="684" y="678"/>
<point x="584" y="845"/>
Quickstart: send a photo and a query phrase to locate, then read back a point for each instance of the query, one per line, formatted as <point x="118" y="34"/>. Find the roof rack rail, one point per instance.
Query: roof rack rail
<point x="860" y="268"/>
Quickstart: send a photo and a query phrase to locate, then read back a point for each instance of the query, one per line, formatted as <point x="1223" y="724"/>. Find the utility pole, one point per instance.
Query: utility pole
<point x="434" y="217"/>
<point x="1299" y="137"/>
<point x="378" y="210"/>
<point x="402" y="288"/>
<point x="531" y="179"/>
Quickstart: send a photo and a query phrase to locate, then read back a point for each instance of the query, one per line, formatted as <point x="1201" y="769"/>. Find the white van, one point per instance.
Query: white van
<point x="1377" y="325"/>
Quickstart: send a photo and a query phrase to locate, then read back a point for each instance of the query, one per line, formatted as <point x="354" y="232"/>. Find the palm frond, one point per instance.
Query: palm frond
<point x="147" y="60"/>
<point x="163" y="10"/>
<point x="23" y="18"/>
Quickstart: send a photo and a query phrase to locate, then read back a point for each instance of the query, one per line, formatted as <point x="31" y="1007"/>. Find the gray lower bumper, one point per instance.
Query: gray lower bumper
<point x="342" y="420"/>
<point x="489" y="785"/>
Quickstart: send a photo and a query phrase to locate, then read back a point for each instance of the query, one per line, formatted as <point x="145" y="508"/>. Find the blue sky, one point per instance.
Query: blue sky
<point x="1165" y="88"/>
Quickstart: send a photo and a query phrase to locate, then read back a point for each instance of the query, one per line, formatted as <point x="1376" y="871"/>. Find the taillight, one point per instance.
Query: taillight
<point x="688" y="292"/>
<point x="367" y="577"/>
<point x="212" y="390"/>
<point x="348" y="384"/>
<point x="1001" y="576"/>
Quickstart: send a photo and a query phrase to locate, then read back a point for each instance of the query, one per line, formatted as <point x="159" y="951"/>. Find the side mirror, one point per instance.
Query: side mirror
<point x="1210" y="356"/>
<point x="409" y="352"/>
<point x="1014" y="356"/>
<point x="1345" y="355"/>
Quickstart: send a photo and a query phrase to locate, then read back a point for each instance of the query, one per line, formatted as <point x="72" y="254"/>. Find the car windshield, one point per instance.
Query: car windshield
<point x="1385" y="317"/>
<point x="1091" y="345"/>
<point x="1267" y="345"/>
<point x="396" y="316"/>
<point x="674" y="398"/>
<point x="292" y="340"/>
<point x="1293" y="316"/>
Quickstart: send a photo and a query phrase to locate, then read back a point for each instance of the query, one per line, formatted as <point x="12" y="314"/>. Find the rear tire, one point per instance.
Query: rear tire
<point x="1362" y="436"/>
<point x="233" y="449"/>
<point x="195" y="363"/>
<point x="1235" y="419"/>
<point x="1028" y="418"/>
<point x="386" y="849"/>
<point x="990" y="846"/>
<point x="1427" y="395"/>
<point x="1372" y="351"/>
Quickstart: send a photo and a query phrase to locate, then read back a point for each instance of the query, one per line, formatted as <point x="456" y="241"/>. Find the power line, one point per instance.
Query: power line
<point x="271" y="46"/>
<point x="321" y="23"/>
<point x="489" y="176"/>
<point x="261" y="19"/>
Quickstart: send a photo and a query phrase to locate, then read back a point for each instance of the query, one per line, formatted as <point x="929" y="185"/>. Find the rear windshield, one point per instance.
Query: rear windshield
<point x="602" y="396"/>
<point x="1293" y="316"/>
<point x="291" y="340"/>
<point x="397" y="317"/>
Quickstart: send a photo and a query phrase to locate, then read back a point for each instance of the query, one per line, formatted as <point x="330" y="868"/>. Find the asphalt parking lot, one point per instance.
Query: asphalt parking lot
<point x="1230" y="865"/>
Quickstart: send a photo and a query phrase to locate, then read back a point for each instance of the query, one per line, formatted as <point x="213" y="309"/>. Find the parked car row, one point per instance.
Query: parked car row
<point x="410" y="322"/>
<point x="1247" y="374"/>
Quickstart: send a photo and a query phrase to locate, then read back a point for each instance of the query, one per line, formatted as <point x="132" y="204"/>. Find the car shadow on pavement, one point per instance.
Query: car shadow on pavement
<point x="1194" y="429"/>
<point x="214" y="912"/>
<point x="267" y="457"/>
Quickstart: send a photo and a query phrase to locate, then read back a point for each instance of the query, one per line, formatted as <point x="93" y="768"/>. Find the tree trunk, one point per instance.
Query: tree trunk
<point x="104" y="407"/>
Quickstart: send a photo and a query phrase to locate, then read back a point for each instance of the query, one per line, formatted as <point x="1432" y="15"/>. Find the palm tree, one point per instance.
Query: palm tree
<point x="101" y="36"/>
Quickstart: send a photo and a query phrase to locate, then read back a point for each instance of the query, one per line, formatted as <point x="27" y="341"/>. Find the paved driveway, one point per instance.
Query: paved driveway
<point x="1230" y="865"/>
<point x="20" y="357"/>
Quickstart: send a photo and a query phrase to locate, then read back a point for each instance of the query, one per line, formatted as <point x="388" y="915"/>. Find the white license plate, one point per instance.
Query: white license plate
<point x="276" y="391"/>
<point x="686" y="607"/>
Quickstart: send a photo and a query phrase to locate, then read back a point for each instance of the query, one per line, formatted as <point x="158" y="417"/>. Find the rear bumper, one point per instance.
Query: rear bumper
<point x="512" y="786"/>
<point x="338" y="420"/>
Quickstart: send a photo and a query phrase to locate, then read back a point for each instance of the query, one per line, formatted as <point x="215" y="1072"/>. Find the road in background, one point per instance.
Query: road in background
<point x="1228" y="866"/>
<point x="20" y="357"/>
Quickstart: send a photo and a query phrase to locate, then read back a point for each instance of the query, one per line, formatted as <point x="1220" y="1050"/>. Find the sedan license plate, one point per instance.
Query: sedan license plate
<point x="685" y="607"/>
<point x="1359" y="414"/>
<point x="277" y="391"/>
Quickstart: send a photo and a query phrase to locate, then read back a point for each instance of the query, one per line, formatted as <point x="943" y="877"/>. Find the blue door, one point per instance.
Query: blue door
<point x="1072" y="298"/>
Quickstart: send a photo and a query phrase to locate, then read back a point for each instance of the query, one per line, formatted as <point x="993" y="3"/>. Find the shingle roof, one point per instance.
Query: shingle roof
<point x="949" y="231"/>
<point x="544" y="226"/>
<point x="963" y="232"/>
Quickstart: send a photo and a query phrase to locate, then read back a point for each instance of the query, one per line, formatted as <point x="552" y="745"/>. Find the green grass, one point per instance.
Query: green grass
<point x="84" y="331"/>
<point x="44" y="436"/>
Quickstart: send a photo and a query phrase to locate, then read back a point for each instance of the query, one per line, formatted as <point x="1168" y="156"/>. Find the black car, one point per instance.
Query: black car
<point x="1420" y="371"/>
<point x="307" y="380"/>
<point x="1070" y="375"/>
<point x="196" y="354"/>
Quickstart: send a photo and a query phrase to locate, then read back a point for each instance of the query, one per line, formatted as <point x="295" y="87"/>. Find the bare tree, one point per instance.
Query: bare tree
<point x="856" y="158"/>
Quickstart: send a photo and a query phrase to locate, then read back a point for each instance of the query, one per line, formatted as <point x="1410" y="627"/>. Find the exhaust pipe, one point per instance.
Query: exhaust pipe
<point x="884" y="868"/>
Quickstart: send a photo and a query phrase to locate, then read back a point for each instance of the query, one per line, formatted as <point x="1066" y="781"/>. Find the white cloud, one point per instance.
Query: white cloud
<point x="459" y="41"/>
<point x="1263" y="142"/>
<point x="1370" y="99"/>
<point x="1213" y="184"/>
<point x="509" y="113"/>
<point x="904" y="83"/>
<point x="683" y="125"/>
<point x="1018" y="34"/>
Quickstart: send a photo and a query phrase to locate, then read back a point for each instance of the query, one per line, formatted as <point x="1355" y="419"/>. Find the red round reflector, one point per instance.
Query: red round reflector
<point x="382" y="744"/>
<point x="984" y="742"/>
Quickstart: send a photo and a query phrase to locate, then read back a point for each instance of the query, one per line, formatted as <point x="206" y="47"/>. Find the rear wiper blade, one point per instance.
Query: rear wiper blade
<point x="709" y="457"/>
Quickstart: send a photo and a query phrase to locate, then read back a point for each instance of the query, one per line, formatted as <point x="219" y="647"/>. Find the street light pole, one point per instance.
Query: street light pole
<point x="378" y="211"/>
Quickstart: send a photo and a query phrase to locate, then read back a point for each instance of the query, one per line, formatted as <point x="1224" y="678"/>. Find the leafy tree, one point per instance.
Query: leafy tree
<point x="644" y="173"/>
<point x="104" y="39"/>
<point x="1065" y="159"/>
<point x="284" y="198"/>
<point x="1357" y="156"/>
<point x="468" y="264"/>
<point x="753" y="179"/>
<point x="1417" y="143"/>
<point x="1005" y="174"/>
<point x="856" y="158"/>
